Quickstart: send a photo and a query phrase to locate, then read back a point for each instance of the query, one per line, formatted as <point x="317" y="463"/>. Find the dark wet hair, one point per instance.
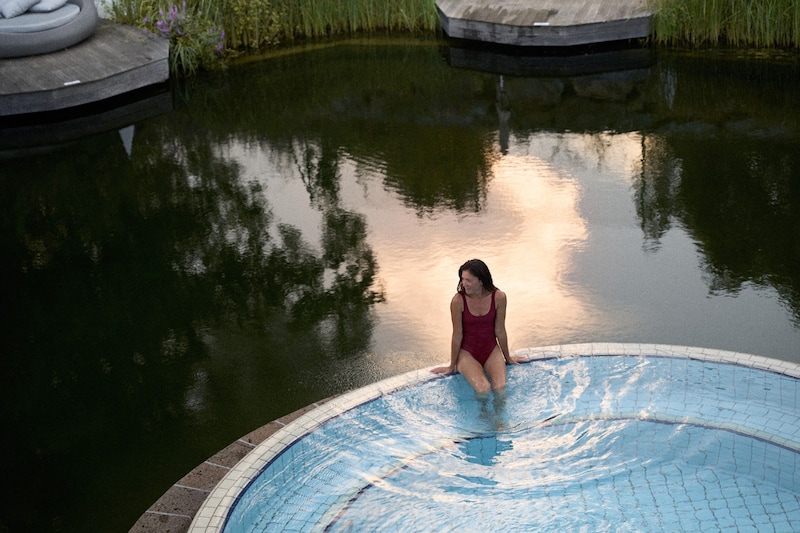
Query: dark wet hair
<point x="478" y="269"/>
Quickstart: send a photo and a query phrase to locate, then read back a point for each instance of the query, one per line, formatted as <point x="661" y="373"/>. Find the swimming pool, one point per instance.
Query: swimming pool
<point x="593" y="437"/>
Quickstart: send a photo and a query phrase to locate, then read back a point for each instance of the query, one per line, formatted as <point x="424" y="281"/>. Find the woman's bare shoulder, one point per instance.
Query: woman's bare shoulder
<point x="457" y="301"/>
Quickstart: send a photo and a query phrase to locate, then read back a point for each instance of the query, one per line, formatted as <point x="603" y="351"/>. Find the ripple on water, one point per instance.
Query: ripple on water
<point x="593" y="443"/>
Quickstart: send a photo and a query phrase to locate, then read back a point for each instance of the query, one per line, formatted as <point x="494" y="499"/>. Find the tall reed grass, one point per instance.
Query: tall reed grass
<point x="195" y="27"/>
<point x="321" y="18"/>
<point x="748" y="23"/>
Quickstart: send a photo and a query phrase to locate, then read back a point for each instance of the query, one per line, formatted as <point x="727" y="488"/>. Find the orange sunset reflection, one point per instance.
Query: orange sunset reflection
<point x="527" y="232"/>
<point x="531" y="226"/>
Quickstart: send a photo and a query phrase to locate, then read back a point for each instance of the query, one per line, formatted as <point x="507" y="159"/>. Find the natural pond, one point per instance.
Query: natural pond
<point x="291" y="229"/>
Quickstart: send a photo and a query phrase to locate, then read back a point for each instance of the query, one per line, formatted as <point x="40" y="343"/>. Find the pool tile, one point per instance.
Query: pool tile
<point x="732" y="499"/>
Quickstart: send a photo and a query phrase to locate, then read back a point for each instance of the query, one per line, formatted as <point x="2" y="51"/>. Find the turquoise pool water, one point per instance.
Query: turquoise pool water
<point x="610" y="442"/>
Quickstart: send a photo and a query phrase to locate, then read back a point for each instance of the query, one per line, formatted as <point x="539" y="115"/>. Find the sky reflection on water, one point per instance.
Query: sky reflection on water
<point x="559" y="230"/>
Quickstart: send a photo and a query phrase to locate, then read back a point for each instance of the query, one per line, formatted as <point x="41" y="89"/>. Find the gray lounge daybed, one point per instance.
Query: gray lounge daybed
<point x="33" y="33"/>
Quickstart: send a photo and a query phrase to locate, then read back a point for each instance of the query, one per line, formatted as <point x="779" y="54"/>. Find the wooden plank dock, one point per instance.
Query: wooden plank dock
<point x="116" y="60"/>
<point x="23" y="133"/>
<point x="545" y="23"/>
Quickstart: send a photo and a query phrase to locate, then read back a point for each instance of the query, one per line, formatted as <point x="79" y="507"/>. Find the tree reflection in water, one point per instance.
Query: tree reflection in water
<point x="118" y="279"/>
<point x="726" y="167"/>
<point x="739" y="200"/>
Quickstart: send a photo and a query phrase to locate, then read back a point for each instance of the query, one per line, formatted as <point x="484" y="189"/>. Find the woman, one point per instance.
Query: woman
<point x="479" y="348"/>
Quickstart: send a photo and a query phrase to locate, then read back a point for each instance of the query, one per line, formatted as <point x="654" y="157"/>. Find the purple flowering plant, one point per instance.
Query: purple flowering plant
<point x="195" y="41"/>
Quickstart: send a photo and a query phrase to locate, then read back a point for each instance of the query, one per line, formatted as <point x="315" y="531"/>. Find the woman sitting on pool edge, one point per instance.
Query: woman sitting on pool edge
<point x="479" y="348"/>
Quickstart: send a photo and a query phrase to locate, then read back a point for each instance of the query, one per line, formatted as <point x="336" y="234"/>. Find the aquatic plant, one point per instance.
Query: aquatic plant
<point x="195" y="41"/>
<point x="762" y="23"/>
<point x="250" y="24"/>
<point x="204" y="33"/>
<point x="319" y="18"/>
<point x="196" y="27"/>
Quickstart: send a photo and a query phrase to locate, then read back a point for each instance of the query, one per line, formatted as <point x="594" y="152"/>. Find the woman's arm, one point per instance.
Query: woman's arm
<point x="500" y="303"/>
<point x="456" y="309"/>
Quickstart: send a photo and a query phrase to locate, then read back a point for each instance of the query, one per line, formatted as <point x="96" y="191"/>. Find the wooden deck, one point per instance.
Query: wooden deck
<point x="545" y="23"/>
<point x="22" y="133"/>
<point x="116" y="60"/>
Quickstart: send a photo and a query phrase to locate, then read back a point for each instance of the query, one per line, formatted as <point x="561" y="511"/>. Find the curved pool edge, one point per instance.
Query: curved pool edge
<point x="177" y="507"/>
<point x="201" y="500"/>
<point x="777" y="366"/>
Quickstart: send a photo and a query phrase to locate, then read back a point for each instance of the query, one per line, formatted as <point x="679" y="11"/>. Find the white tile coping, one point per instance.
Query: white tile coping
<point x="211" y="516"/>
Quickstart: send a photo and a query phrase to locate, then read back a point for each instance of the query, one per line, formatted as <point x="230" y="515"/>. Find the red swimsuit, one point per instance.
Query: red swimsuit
<point x="479" y="339"/>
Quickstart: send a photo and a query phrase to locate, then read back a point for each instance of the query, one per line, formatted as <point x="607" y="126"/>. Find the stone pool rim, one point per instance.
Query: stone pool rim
<point x="210" y="514"/>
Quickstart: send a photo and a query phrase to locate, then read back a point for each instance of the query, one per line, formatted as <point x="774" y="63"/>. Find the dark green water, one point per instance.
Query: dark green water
<point x="293" y="227"/>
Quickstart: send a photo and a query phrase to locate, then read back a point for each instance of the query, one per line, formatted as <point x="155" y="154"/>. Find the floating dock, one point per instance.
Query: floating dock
<point x="116" y="60"/>
<point x="545" y="23"/>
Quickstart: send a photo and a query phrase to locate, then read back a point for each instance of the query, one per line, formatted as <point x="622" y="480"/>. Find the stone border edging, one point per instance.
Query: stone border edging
<point x="177" y="509"/>
<point x="174" y="511"/>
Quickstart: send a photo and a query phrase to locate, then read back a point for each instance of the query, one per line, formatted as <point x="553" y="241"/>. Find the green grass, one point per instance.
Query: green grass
<point x="197" y="41"/>
<point x="735" y="23"/>
<point x="324" y="18"/>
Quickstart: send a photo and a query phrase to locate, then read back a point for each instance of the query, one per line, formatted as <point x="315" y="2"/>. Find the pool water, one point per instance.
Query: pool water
<point x="603" y="443"/>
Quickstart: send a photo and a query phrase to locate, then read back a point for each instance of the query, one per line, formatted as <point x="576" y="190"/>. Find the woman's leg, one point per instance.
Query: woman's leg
<point x="472" y="370"/>
<point x="495" y="368"/>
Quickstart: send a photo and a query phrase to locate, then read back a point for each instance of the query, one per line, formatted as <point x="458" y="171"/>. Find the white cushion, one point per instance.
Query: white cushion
<point x="31" y="22"/>
<point x="46" y="6"/>
<point x="14" y="8"/>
